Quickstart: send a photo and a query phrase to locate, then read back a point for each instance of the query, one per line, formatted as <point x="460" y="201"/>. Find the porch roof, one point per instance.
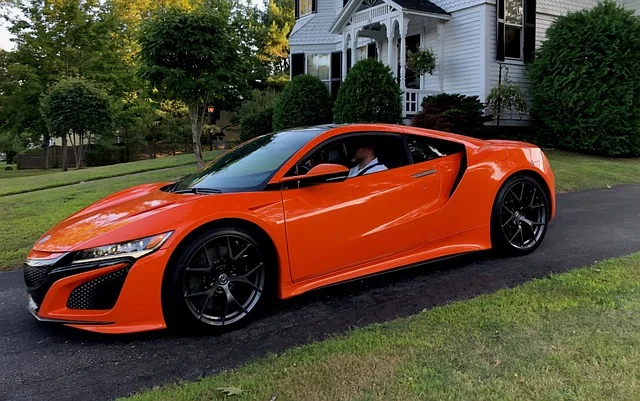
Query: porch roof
<point x="421" y="5"/>
<point x="424" y="7"/>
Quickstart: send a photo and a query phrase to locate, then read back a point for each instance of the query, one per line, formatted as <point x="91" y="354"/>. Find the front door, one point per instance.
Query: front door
<point x="335" y="226"/>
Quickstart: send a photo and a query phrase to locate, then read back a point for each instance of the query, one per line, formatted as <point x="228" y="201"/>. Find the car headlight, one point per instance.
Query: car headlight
<point x="132" y="249"/>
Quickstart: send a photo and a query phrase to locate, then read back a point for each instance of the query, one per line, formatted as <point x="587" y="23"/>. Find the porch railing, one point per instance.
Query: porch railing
<point x="371" y="14"/>
<point x="413" y="100"/>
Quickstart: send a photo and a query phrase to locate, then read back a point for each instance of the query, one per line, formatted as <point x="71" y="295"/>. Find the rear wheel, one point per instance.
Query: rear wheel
<point x="218" y="282"/>
<point x="520" y="216"/>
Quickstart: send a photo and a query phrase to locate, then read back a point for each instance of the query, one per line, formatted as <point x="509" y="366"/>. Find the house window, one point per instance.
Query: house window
<point x="319" y="65"/>
<point x="305" y="7"/>
<point x="513" y="29"/>
<point x="516" y="29"/>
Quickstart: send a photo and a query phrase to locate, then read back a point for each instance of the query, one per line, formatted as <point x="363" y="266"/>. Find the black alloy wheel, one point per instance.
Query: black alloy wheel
<point x="219" y="281"/>
<point x="520" y="216"/>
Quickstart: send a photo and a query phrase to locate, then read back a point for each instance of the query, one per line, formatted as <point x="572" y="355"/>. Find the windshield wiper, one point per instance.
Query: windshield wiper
<point x="198" y="191"/>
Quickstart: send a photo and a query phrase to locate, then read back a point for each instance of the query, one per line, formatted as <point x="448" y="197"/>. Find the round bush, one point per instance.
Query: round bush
<point x="304" y="101"/>
<point x="369" y="94"/>
<point x="256" y="124"/>
<point x="585" y="82"/>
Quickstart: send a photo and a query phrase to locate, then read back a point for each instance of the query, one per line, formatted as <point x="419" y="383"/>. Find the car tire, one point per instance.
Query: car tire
<point x="520" y="216"/>
<point x="218" y="282"/>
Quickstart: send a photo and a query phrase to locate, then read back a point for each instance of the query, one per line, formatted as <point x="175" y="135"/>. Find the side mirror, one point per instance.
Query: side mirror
<point x="321" y="173"/>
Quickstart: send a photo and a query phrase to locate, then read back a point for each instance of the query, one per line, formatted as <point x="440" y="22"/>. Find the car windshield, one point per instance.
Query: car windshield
<point x="249" y="166"/>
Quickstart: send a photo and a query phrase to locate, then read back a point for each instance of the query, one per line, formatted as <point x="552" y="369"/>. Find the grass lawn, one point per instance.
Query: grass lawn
<point x="574" y="336"/>
<point x="20" y="173"/>
<point x="574" y="172"/>
<point x="26" y="216"/>
<point x="59" y="178"/>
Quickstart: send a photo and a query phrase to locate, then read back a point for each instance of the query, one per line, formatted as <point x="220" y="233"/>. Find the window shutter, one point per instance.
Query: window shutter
<point x="314" y="6"/>
<point x="348" y="60"/>
<point x="297" y="64"/>
<point x="529" y="30"/>
<point x="336" y="73"/>
<point x="296" y="8"/>
<point x="500" y="30"/>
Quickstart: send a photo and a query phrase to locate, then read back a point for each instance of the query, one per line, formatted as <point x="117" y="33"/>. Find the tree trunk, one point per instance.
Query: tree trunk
<point x="64" y="152"/>
<point x="196" y="131"/>
<point x="46" y="153"/>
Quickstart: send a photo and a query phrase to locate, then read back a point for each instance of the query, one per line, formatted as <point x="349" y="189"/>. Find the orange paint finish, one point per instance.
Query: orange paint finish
<point x="322" y="234"/>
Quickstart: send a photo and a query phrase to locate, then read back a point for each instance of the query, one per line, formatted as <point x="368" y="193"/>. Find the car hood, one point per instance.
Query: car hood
<point x="119" y="213"/>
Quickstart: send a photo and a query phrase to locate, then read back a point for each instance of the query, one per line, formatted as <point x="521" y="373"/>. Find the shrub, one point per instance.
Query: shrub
<point x="506" y="96"/>
<point x="256" y="124"/>
<point x="259" y="101"/>
<point x="369" y="94"/>
<point x="304" y="101"/>
<point x="585" y="82"/>
<point x="8" y="168"/>
<point x="454" y="113"/>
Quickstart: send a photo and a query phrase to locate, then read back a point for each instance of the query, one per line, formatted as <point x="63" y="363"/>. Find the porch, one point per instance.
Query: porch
<point x="381" y="30"/>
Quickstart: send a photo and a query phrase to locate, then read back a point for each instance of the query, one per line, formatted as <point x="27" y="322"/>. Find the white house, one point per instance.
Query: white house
<point x="475" y="41"/>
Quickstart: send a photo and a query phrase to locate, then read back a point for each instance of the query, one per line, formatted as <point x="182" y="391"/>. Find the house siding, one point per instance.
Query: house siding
<point x="462" y="52"/>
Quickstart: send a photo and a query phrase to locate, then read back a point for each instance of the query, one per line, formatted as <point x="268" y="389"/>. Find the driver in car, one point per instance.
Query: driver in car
<point x="367" y="161"/>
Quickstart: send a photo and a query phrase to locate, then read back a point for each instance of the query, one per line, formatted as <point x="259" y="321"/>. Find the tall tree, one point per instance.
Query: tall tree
<point x="76" y="108"/>
<point x="197" y="57"/>
<point x="274" y="51"/>
<point x="56" y="39"/>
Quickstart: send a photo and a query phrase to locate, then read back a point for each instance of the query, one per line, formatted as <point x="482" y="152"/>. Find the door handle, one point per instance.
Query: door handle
<point x="424" y="173"/>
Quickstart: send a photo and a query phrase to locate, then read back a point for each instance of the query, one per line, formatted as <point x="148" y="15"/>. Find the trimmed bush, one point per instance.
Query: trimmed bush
<point x="369" y="94"/>
<point x="455" y="113"/>
<point x="585" y="82"/>
<point x="256" y="124"/>
<point x="304" y="101"/>
<point x="8" y="168"/>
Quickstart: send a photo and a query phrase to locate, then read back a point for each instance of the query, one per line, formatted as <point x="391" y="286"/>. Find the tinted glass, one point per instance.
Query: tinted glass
<point x="252" y="164"/>
<point x="425" y="148"/>
<point x="512" y="42"/>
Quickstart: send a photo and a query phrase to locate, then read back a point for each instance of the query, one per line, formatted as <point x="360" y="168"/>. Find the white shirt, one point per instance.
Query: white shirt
<point x="356" y="170"/>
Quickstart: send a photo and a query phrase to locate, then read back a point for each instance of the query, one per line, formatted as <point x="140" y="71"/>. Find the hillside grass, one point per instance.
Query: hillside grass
<point x="26" y="216"/>
<point x="574" y="336"/>
<point x="36" y="182"/>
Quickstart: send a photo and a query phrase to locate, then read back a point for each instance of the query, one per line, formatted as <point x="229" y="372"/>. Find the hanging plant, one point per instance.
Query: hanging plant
<point x="506" y="96"/>
<point x="422" y="62"/>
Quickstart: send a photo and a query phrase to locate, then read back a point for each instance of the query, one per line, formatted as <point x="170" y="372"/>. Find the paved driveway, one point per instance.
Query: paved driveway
<point x="49" y="362"/>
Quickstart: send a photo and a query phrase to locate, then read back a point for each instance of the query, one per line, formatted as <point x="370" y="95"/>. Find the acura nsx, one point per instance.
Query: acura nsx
<point x="283" y="214"/>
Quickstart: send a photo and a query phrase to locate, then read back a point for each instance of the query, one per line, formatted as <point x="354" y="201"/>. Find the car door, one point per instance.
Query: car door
<point x="335" y="225"/>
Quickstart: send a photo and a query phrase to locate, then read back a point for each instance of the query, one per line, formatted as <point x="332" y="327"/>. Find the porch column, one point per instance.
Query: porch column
<point x="403" y="54"/>
<point x="354" y="46"/>
<point x="390" y="49"/>
<point x="345" y="46"/>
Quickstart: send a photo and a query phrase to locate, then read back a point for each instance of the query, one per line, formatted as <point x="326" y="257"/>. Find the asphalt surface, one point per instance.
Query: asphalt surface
<point x="49" y="362"/>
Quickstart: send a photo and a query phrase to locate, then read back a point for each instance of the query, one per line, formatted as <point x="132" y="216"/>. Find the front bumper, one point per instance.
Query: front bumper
<point x="116" y="296"/>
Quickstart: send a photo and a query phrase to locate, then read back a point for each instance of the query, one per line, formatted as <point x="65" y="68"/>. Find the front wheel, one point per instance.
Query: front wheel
<point x="520" y="216"/>
<point x="218" y="282"/>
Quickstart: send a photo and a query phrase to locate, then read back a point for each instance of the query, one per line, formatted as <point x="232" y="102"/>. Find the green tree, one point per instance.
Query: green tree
<point x="585" y="82"/>
<point x="369" y="94"/>
<point x="55" y="40"/>
<point x="279" y="22"/>
<point x="304" y="101"/>
<point x="195" y="57"/>
<point x="76" y="108"/>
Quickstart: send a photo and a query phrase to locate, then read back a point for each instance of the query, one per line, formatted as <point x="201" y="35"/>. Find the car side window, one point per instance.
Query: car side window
<point x="425" y="148"/>
<point x="383" y="151"/>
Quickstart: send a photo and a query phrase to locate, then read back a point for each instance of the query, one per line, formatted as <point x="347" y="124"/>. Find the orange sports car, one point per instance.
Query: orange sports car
<point x="283" y="214"/>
